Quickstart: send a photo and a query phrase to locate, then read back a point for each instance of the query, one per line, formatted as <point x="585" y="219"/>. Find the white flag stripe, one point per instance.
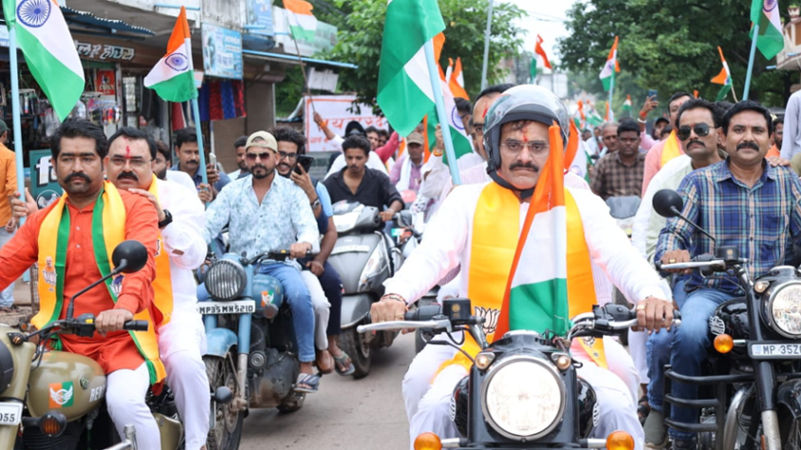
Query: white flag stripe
<point x="545" y="227"/>
<point x="417" y="70"/>
<point x="51" y="35"/>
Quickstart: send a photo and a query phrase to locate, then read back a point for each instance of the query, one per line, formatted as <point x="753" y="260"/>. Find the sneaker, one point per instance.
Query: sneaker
<point x="684" y="444"/>
<point x="655" y="432"/>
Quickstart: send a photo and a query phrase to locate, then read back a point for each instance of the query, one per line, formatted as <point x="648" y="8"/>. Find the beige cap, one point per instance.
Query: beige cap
<point x="262" y="139"/>
<point x="414" y="138"/>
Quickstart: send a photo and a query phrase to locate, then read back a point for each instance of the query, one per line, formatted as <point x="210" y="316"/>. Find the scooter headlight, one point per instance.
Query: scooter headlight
<point x="784" y="309"/>
<point x="375" y="264"/>
<point x="523" y="397"/>
<point x="225" y="280"/>
<point x="346" y="222"/>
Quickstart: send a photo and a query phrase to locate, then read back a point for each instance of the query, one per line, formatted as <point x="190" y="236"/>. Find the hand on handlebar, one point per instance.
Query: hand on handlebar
<point x="390" y="307"/>
<point x="387" y="215"/>
<point x="676" y="256"/>
<point x="299" y="249"/>
<point x="112" y="320"/>
<point x="654" y="313"/>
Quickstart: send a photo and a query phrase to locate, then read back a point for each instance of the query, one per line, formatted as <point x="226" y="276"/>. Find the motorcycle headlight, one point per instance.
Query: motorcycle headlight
<point x="375" y="264"/>
<point x="784" y="310"/>
<point x="225" y="280"/>
<point x="523" y="397"/>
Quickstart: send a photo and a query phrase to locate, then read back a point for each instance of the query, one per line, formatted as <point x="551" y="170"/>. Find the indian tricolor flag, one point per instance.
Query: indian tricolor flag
<point x="536" y="297"/>
<point x="302" y="23"/>
<point x="405" y="93"/>
<point x="49" y="50"/>
<point x="173" y="76"/>
<point x="455" y="79"/>
<point x="611" y="66"/>
<point x="766" y="13"/>
<point x="724" y="78"/>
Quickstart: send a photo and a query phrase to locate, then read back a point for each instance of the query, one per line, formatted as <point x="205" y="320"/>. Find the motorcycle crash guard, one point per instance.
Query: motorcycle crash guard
<point x="354" y="308"/>
<point x="219" y="341"/>
<point x="788" y="395"/>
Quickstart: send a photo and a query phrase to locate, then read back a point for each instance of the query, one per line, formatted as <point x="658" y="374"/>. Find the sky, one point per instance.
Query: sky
<point x="545" y="17"/>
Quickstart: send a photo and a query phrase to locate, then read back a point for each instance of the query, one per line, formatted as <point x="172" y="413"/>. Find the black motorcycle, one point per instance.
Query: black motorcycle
<point x="522" y="390"/>
<point x="750" y="387"/>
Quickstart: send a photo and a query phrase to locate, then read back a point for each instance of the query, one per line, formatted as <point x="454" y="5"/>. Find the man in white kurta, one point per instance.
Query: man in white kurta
<point x="182" y="340"/>
<point x="447" y="245"/>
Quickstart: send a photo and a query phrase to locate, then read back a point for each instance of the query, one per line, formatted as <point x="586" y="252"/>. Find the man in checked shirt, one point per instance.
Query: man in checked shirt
<point x="745" y="203"/>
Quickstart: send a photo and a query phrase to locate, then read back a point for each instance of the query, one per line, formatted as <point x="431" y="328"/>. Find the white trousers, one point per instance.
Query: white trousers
<point x="427" y="402"/>
<point x="182" y="343"/>
<point x="322" y="309"/>
<point x="637" y="341"/>
<point x="125" y="400"/>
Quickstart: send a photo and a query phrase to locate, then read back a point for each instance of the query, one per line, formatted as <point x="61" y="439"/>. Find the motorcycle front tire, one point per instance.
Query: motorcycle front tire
<point x="359" y="350"/>
<point x="226" y="424"/>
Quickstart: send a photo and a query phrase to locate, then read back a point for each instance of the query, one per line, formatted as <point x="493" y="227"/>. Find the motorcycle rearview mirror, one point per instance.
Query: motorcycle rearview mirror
<point x="404" y="219"/>
<point x="668" y="203"/>
<point x="128" y="256"/>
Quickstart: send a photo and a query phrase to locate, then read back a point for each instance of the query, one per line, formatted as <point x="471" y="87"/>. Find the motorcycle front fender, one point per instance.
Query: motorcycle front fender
<point x="219" y="341"/>
<point x="788" y="395"/>
<point x="354" y="309"/>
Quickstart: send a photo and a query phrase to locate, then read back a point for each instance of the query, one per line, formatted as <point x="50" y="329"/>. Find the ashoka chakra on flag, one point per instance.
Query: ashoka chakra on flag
<point x="34" y="13"/>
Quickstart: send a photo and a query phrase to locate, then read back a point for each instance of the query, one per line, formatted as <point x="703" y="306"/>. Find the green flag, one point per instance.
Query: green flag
<point x="766" y="13"/>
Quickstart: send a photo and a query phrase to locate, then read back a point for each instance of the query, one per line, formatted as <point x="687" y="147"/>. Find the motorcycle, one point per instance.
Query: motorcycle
<point x="363" y="256"/>
<point x="753" y="377"/>
<point x="522" y="390"/>
<point x="251" y="345"/>
<point x="56" y="397"/>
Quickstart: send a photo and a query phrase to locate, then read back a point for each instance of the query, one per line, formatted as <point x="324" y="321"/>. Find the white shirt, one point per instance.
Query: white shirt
<point x="446" y="245"/>
<point x="182" y="178"/>
<point x="791" y="141"/>
<point x="183" y="239"/>
<point x="373" y="162"/>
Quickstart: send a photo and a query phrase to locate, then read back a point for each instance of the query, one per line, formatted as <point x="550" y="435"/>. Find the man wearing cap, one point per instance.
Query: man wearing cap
<point x="267" y="213"/>
<point x="405" y="174"/>
<point x="8" y="223"/>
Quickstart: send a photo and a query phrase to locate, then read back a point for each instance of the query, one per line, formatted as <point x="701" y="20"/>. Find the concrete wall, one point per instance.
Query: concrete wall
<point x="260" y="106"/>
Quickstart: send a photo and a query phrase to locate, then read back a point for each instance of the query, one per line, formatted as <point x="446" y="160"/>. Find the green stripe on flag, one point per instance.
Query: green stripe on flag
<point x="179" y="88"/>
<point x="723" y="92"/>
<point x="539" y="307"/>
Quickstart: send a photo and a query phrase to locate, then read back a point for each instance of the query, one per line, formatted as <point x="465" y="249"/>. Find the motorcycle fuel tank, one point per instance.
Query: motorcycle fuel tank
<point x="66" y="382"/>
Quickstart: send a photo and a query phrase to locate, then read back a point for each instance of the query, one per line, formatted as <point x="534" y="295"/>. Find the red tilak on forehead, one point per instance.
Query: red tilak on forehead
<point x="127" y="152"/>
<point x="525" y="138"/>
<point x="484" y="115"/>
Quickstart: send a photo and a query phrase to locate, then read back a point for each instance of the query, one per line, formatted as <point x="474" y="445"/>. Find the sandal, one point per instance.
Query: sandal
<point x="307" y="383"/>
<point x="643" y="408"/>
<point x="343" y="365"/>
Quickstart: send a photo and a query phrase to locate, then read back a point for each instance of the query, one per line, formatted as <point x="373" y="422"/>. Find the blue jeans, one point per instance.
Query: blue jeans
<point x="689" y="350"/>
<point x="657" y="351"/>
<point x="299" y="299"/>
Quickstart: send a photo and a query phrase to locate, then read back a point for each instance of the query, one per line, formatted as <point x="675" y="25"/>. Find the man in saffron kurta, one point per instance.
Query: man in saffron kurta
<point x="479" y="228"/>
<point x="78" y="147"/>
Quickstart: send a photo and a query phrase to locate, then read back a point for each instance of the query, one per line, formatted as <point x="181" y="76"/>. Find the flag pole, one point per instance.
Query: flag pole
<point x="611" y="92"/>
<point x="202" y="168"/>
<point x="436" y="87"/>
<point x="486" y="47"/>
<point x="747" y="86"/>
<point x="17" y="128"/>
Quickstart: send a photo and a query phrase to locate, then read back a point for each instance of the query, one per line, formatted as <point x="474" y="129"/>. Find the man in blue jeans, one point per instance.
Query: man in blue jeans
<point x="266" y="212"/>
<point x="745" y="203"/>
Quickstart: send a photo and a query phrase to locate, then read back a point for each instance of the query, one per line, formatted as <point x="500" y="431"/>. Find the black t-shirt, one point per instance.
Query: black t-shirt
<point x="374" y="190"/>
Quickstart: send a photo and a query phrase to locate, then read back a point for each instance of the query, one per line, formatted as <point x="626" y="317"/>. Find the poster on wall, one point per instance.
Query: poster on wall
<point x="222" y="52"/>
<point x="338" y="111"/>
<point x="105" y="82"/>
<point x="260" y="17"/>
<point x="44" y="184"/>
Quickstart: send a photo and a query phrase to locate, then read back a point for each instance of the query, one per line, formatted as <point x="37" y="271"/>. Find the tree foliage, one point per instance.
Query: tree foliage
<point x="670" y="45"/>
<point x="360" y="26"/>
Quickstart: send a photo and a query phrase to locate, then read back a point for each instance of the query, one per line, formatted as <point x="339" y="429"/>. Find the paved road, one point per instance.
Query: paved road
<point x="345" y="414"/>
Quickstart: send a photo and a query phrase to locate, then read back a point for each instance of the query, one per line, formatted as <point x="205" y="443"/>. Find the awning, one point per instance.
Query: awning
<point x="88" y="23"/>
<point x="282" y="57"/>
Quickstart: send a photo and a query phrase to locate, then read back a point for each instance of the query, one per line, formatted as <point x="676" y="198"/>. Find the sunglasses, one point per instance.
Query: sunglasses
<point x="253" y="156"/>
<point x="701" y="129"/>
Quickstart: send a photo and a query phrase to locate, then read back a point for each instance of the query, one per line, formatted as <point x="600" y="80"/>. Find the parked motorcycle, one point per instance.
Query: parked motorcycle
<point x="56" y="396"/>
<point x="251" y="345"/>
<point x="522" y="390"/>
<point x="753" y="377"/>
<point x="363" y="256"/>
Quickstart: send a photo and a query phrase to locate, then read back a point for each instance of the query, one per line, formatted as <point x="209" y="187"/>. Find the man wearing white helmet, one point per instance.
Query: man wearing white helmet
<point x="468" y="228"/>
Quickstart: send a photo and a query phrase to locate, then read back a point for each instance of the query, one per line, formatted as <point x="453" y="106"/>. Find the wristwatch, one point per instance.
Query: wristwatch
<point x="167" y="219"/>
<point x="315" y="203"/>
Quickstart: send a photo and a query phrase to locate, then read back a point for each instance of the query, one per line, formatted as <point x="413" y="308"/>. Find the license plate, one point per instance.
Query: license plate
<point x="775" y="350"/>
<point x="235" y="307"/>
<point x="10" y="413"/>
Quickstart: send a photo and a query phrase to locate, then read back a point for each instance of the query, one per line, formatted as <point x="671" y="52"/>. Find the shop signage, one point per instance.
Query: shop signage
<point x="222" y="52"/>
<point x="104" y="52"/>
<point x="260" y="17"/>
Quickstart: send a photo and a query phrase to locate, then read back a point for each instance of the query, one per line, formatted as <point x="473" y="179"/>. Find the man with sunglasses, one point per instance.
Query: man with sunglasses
<point x="698" y="122"/>
<point x="745" y="203"/>
<point x="620" y="173"/>
<point x="264" y="213"/>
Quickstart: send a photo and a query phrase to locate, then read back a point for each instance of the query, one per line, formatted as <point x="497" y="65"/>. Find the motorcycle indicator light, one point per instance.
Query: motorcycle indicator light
<point x="723" y="343"/>
<point x="619" y="440"/>
<point x="53" y="423"/>
<point x="427" y="441"/>
<point x="561" y="360"/>
<point x="483" y="360"/>
<point x="761" y="286"/>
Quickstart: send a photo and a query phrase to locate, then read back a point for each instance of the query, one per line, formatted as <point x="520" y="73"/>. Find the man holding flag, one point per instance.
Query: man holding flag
<point x="479" y="229"/>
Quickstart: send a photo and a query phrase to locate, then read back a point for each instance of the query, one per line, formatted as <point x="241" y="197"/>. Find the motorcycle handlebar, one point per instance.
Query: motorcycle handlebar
<point x="136" y="325"/>
<point x="425" y="312"/>
<point x="405" y="324"/>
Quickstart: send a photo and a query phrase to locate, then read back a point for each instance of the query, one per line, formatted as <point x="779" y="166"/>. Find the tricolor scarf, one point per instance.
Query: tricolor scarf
<point x="671" y="149"/>
<point x="541" y="297"/>
<point x="108" y="230"/>
<point x="162" y="285"/>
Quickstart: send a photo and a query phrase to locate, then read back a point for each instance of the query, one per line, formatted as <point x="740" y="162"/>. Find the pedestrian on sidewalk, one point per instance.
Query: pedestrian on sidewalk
<point x="8" y="223"/>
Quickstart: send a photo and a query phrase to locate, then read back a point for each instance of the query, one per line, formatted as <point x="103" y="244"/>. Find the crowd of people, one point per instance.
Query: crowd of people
<point x="724" y="159"/>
